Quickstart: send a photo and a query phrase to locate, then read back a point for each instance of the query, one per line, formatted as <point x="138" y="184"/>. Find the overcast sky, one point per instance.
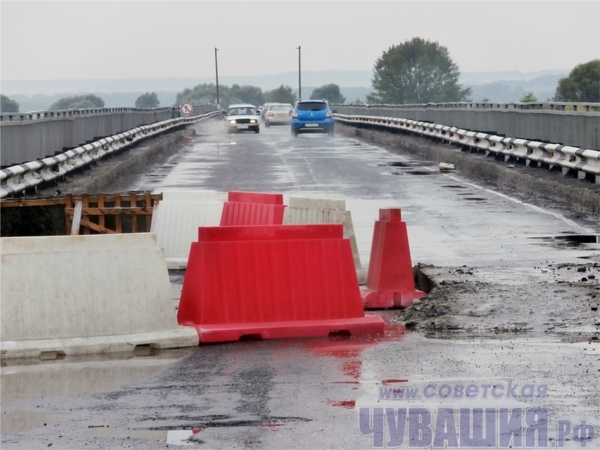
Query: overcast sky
<point x="142" y="39"/>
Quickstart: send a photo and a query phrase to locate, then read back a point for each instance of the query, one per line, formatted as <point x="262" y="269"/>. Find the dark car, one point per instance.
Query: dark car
<point x="312" y="116"/>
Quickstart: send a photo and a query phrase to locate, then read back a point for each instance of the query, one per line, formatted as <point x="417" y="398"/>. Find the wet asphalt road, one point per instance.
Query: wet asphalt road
<point x="307" y="393"/>
<point x="451" y="220"/>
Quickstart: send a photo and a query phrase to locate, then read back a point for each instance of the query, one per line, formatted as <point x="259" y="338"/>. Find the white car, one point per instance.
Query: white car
<point x="278" y="113"/>
<point x="263" y="110"/>
<point x="242" y="117"/>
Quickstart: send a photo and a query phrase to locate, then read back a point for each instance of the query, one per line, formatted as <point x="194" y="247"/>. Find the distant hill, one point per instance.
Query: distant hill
<point x="37" y="95"/>
<point x="349" y="78"/>
<point x="543" y="87"/>
<point x="476" y="78"/>
<point x="41" y="102"/>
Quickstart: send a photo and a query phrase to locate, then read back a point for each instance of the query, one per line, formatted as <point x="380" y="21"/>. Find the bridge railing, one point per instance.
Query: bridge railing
<point x="39" y="134"/>
<point x="558" y="106"/>
<point x="574" y="124"/>
<point x="584" y="162"/>
<point x="21" y="177"/>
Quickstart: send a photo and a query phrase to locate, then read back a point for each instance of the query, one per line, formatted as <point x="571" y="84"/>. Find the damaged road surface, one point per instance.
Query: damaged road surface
<point x="502" y="352"/>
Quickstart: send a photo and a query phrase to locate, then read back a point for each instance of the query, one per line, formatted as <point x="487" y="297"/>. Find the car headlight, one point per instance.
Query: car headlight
<point x="252" y="120"/>
<point x="232" y="122"/>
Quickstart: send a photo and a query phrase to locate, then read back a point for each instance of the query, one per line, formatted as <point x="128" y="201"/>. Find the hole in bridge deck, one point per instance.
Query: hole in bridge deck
<point x="52" y="355"/>
<point x="146" y="350"/>
<point x="400" y="164"/>
<point x="415" y="172"/>
<point x="580" y="238"/>
<point x="572" y="240"/>
<point x="250" y="337"/>
<point x="420" y="172"/>
<point x="339" y="333"/>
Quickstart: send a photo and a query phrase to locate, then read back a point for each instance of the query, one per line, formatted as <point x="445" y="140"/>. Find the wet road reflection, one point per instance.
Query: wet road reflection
<point x="305" y="393"/>
<point x="72" y="376"/>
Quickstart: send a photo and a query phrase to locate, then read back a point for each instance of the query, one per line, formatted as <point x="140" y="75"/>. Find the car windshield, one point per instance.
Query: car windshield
<point x="281" y="107"/>
<point x="241" y="112"/>
<point x="311" y="106"/>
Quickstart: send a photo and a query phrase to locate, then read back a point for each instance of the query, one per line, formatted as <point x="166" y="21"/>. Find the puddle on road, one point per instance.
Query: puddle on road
<point x="415" y="172"/>
<point x="591" y="257"/>
<point x="175" y="437"/>
<point x="409" y="164"/>
<point x="80" y="375"/>
<point x="571" y="241"/>
<point x="348" y="348"/>
<point x="342" y="345"/>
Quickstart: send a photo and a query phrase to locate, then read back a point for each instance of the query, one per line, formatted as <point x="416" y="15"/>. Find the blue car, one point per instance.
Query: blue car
<point x="312" y="116"/>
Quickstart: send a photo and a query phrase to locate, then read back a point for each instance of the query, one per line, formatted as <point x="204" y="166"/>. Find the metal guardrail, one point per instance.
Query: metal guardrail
<point x="38" y="134"/>
<point x="552" y="106"/>
<point x="20" y="177"/>
<point x="72" y="113"/>
<point x="584" y="161"/>
<point x="576" y="128"/>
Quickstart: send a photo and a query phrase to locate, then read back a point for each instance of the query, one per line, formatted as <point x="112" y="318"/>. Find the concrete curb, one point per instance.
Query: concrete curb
<point x="97" y="181"/>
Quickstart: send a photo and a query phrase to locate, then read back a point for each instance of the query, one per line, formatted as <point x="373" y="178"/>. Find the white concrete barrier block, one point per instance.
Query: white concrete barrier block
<point x="176" y="226"/>
<point x="182" y="195"/>
<point x="85" y="293"/>
<point x="325" y="211"/>
<point x="316" y="203"/>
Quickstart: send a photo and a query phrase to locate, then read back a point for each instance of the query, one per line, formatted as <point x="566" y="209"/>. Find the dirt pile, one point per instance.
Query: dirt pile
<point x="558" y="299"/>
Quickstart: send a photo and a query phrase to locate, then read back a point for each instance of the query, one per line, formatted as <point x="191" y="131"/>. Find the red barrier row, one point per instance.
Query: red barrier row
<point x="272" y="282"/>
<point x="252" y="208"/>
<point x="390" y="280"/>
<point x="255" y="197"/>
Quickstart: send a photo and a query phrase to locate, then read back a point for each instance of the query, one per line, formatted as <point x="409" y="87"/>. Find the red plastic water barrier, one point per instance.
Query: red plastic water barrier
<point x="272" y="282"/>
<point x="252" y="208"/>
<point x="390" y="281"/>
<point x="254" y="197"/>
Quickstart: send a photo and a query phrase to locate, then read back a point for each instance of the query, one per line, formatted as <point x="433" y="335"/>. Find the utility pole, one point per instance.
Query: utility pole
<point x="217" y="75"/>
<point x="299" y="73"/>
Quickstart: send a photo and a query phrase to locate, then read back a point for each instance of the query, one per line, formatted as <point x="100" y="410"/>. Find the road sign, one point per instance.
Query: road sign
<point x="186" y="109"/>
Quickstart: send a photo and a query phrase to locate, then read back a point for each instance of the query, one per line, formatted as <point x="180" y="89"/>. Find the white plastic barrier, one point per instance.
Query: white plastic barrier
<point x="176" y="219"/>
<point x="302" y="210"/>
<point x="66" y="295"/>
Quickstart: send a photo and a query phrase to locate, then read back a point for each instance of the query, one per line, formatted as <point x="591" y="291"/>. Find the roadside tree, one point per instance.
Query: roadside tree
<point x="248" y="94"/>
<point x="582" y="84"/>
<point x="8" y="104"/>
<point x="77" y="102"/>
<point x="529" y="97"/>
<point x="283" y="94"/>
<point x="416" y="71"/>
<point x="206" y="94"/>
<point x="330" y="92"/>
<point x="147" y="100"/>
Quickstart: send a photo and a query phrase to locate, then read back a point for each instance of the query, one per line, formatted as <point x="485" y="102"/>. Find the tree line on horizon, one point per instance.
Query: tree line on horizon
<point x="206" y="93"/>
<point x="415" y="71"/>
